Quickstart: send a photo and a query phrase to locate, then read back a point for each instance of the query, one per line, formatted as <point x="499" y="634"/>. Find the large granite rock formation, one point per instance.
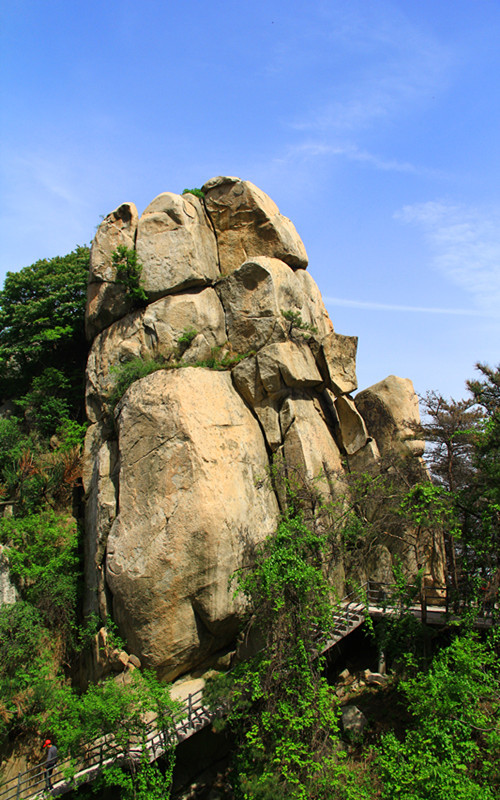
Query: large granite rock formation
<point x="250" y="370"/>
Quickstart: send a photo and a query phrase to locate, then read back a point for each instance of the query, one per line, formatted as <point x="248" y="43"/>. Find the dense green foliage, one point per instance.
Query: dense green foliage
<point x="34" y="475"/>
<point x="40" y="630"/>
<point x="43" y="561"/>
<point x="41" y="328"/>
<point x="144" y="781"/>
<point x="453" y="747"/>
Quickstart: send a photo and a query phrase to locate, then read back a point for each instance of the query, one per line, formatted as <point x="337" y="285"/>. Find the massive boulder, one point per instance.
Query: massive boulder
<point x="107" y="298"/>
<point x="390" y="410"/>
<point x="248" y="223"/>
<point x="192" y="508"/>
<point x="258" y="296"/>
<point x="249" y="387"/>
<point x="176" y="245"/>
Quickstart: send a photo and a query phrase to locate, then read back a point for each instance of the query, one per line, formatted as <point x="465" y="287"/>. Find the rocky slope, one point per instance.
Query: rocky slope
<point x="177" y="477"/>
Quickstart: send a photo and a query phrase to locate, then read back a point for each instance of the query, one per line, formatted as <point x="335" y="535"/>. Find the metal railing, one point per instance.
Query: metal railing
<point x="159" y="735"/>
<point x="443" y="602"/>
<point x="166" y="731"/>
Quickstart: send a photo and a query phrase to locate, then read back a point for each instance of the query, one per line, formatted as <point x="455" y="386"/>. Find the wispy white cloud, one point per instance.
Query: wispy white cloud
<point x="53" y="176"/>
<point x="465" y="246"/>
<point x="390" y="69"/>
<point x="369" y="306"/>
<point x="395" y="66"/>
<point x="47" y="205"/>
<point x="351" y="152"/>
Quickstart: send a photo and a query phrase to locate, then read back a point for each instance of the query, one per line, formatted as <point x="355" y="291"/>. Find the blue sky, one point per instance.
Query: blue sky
<point x="375" y="126"/>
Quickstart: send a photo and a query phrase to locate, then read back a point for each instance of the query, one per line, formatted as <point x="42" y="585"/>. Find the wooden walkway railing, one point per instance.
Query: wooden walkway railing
<point x="159" y="736"/>
<point x="374" y="599"/>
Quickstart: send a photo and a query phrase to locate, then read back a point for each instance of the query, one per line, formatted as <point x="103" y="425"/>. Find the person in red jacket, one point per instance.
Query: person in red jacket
<point x="50" y="762"/>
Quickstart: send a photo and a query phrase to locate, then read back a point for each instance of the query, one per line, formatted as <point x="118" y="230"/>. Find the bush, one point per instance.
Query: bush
<point x="196" y="192"/>
<point x="43" y="561"/>
<point x="71" y="434"/>
<point x="184" y="340"/>
<point x="124" y="375"/>
<point x="46" y="405"/>
<point x="296" y="321"/>
<point x="12" y="441"/>
<point x="128" y="272"/>
<point x="454" y="748"/>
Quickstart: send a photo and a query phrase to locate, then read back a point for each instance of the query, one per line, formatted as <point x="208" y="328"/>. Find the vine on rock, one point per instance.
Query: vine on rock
<point x="128" y="272"/>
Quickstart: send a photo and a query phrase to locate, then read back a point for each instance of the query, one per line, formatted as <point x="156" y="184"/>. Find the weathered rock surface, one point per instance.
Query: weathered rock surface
<point x="153" y="332"/>
<point x="101" y="507"/>
<point x="308" y="443"/>
<point x="177" y="477"/>
<point x="176" y="245"/>
<point x="191" y="507"/>
<point x="337" y="359"/>
<point x="287" y="364"/>
<point x="254" y="297"/>
<point x="106" y="298"/>
<point x="353" y="721"/>
<point x="248" y="223"/>
<point x="390" y="409"/>
<point x="351" y="424"/>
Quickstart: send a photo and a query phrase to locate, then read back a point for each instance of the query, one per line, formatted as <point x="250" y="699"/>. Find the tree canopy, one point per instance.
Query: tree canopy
<point x="42" y="310"/>
<point x="464" y="461"/>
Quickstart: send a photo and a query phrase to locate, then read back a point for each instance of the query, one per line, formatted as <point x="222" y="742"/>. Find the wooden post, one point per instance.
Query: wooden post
<point x="190" y="710"/>
<point x="382" y="665"/>
<point x="423" y="605"/>
<point x="18" y="790"/>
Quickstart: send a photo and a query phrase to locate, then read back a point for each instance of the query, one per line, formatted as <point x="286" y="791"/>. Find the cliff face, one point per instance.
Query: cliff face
<point x="177" y="476"/>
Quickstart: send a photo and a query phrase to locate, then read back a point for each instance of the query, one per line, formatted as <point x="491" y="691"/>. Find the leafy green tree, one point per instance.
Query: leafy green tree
<point x="42" y="310"/>
<point x="453" y="747"/>
<point x="47" y="404"/>
<point x="116" y="715"/>
<point x="464" y="459"/>
<point x="484" y="492"/>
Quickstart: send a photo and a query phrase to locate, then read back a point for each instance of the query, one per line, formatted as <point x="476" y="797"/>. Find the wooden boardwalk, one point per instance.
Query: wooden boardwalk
<point x="373" y="600"/>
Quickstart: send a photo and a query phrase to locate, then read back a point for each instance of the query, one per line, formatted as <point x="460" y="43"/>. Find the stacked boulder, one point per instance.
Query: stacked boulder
<point x="177" y="477"/>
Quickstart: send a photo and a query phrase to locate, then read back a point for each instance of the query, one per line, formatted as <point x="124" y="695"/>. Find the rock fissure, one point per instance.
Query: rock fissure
<point x="157" y="447"/>
<point x="214" y="231"/>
